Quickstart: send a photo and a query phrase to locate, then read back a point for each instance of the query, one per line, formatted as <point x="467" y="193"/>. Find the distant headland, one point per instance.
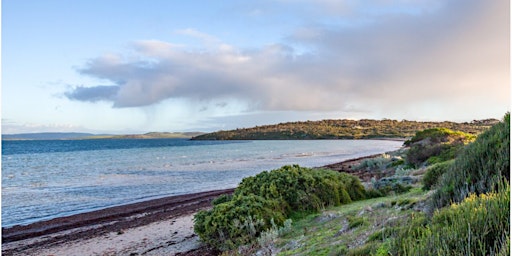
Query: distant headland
<point x="84" y="136"/>
<point x="344" y="129"/>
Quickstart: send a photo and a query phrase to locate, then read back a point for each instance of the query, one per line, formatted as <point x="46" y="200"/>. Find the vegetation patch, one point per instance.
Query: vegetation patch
<point x="365" y="250"/>
<point x="303" y="189"/>
<point x="479" y="225"/>
<point x="335" y="237"/>
<point x="343" y="129"/>
<point x="479" y="168"/>
<point x="354" y="221"/>
<point x="462" y="206"/>
<point x="237" y="222"/>
<point x="373" y="163"/>
<point x="472" y="202"/>
<point x="263" y="202"/>
<point x="434" y="173"/>
<point x="436" y="145"/>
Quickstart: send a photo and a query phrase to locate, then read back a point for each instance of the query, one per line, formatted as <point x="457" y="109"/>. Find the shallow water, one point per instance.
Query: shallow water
<point x="47" y="179"/>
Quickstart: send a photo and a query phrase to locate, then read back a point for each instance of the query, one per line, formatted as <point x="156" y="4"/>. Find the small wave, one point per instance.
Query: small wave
<point x="305" y="154"/>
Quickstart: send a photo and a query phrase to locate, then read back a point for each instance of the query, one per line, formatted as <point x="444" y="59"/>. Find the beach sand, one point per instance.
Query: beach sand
<point x="166" y="237"/>
<point x="156" y="227"/>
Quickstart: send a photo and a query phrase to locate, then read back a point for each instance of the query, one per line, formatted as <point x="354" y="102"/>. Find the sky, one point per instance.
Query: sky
<point x="132" y="66"/>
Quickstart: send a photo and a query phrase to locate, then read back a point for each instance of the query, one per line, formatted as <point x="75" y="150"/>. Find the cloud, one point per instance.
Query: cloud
<point x="454" y="54"/>
<point x="12" y="127"/>
<point x="204" y="37"/>
<point x="93" y="94"/>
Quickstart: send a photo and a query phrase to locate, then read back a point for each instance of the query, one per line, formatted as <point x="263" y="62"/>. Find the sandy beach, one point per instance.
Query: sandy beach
<point x="156" y="227"/>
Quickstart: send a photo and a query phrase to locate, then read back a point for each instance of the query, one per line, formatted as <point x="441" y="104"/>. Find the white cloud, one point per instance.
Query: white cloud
<point x="455" y="54"/>
<point x="207" y="39"/>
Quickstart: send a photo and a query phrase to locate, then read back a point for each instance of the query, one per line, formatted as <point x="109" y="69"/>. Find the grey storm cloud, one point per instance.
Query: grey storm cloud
<point x="457" y="49"/>
<point x="93" y="94"/>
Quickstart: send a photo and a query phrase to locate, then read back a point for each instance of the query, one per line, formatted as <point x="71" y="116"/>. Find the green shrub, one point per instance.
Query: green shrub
<point x="436" y="145"/>
<point x="397" y="163"/>
<point x="374" y="193"/>
<point x="238" y="221"/>
<point x="304" y="189"/>
<point x="262" y="202"/>
<point x="477" y="226"/>
<point x="434" y="173"/>
<point x="448" y="152"/>
<point x="374" y="163"/>
<point x="222" y="199"/>
<point x="394" y="188"/>
<point x="438" y="135"/>
<point x="472" y="201"/>
<point x="478" y="169"/>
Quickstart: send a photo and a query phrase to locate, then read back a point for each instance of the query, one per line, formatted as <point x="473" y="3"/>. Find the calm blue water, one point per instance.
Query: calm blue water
<point x="47" y="179"/>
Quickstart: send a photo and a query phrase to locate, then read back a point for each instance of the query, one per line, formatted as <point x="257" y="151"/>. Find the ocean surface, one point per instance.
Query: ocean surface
<point x="46" y="179"/>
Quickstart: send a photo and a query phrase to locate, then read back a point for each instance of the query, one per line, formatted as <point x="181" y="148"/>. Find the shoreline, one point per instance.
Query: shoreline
<point x="84" y="232"/>
<point x="35" y="238"/>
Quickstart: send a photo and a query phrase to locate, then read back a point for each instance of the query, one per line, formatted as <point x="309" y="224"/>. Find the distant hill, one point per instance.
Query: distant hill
<point x="150" y="135"/>
<point x="81" y="136"/>
<point x="46" y="136"/>
<point x="343" y="129"/>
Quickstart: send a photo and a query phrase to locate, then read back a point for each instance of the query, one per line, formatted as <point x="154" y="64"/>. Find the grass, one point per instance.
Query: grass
<point x="344" y="230"/>
<point x="371" y="227"/>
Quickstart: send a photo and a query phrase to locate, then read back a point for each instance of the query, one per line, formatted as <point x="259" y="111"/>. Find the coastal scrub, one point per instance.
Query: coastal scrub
<point x="264" y="201"/>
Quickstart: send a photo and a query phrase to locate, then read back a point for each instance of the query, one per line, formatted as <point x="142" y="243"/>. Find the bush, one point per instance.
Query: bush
<point x="474" y="193"/>
<point x="262" y="202"/>
<point x="374" y="163"/>
<point x="222" y="199"/>
<point x="303" y="189"/>
<point x="439" y="135"/>
<point x="237" y="222"/>
<point x="436" y="145"/>
<point x="478" y="169"/>
<point x="477" y="226"/>
<point x="434" y="173"/>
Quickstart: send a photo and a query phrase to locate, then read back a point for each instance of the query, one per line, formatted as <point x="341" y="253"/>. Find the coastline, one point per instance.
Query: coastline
<point x="63" y="235"/>
<point x="153" y="227"/>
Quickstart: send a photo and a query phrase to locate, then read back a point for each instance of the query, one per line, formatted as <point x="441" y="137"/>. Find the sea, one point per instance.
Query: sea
<point x="45" y="179"/>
